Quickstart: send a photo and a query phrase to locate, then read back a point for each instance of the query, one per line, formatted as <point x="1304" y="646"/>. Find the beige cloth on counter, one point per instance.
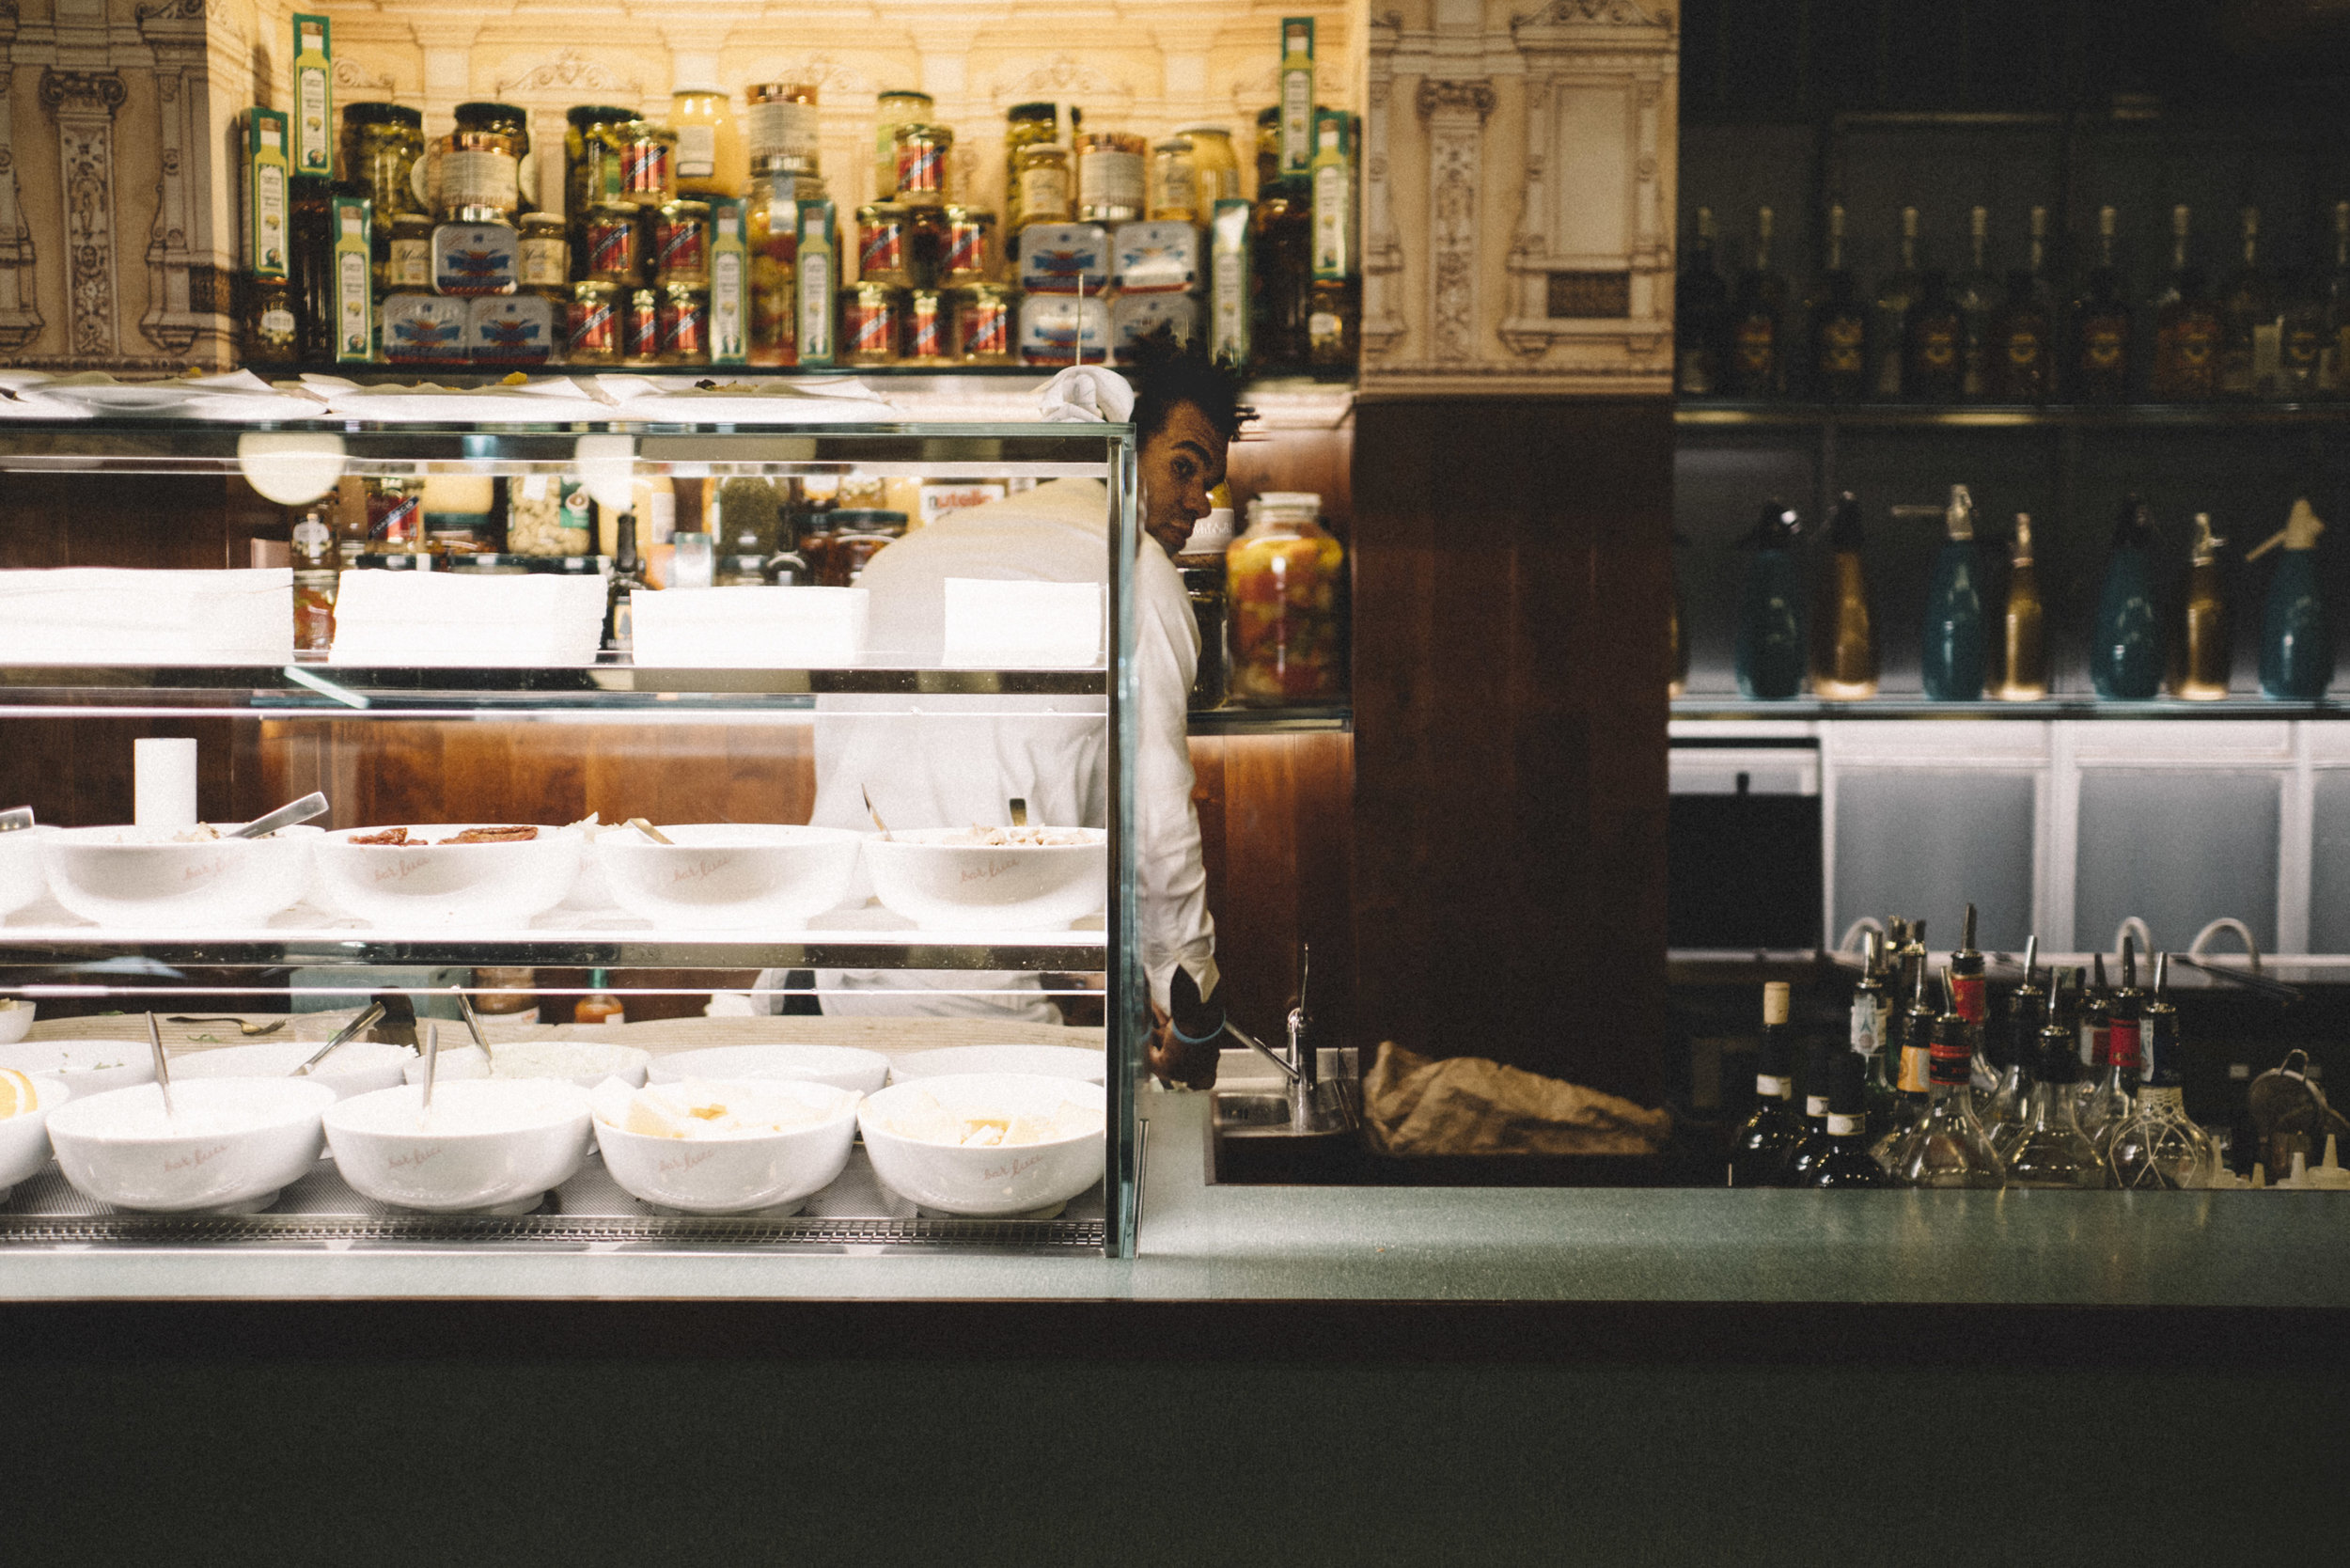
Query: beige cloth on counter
<point x="1416" y="1105"/>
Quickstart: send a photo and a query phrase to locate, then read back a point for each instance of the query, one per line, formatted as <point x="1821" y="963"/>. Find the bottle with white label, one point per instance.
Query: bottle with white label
<point x="354" y="281"/>
<point x="815" y="281"/>
<point x="1297" y="95"/>
<point x="313" y="149"/>
<point x="1759" y="1152"/>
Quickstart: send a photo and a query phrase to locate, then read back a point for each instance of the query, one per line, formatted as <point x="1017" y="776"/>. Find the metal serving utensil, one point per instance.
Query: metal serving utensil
<point x="432" y="1063"/>
<point x="248" y="1030"/>
<point x="641" y="825"/>
<point x="163" y="1067"/>
<point x="15" y="819"/>
<point x="871" y="812"/>
<point x="342" y="1037"/>
<point x="472" y="1021"/>
<point x="311" y="804"/>
<point x="1019" y="811"/>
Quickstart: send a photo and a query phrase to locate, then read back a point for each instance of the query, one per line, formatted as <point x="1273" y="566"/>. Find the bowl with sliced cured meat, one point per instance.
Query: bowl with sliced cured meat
<point x="477" y="875"/>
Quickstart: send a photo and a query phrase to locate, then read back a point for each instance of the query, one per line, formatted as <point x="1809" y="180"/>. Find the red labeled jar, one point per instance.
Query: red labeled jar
<point x="985" y="324"/>
<point x="922" y="152"/>
<point x="884" y="233"/>
<point x="647" y="164"/>
<point x="640" y="327"/>
<point x="686" y="326"/>
<point x="927" y="336"/>
<point x="608" y="246"/>
<point x="870" y="317"/>
<point x="594" y="324"/>
<point x="681" y="244"/>
<point x="970" y="250"/>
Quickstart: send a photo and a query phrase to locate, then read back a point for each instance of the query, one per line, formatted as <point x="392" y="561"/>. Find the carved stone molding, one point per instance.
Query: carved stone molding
<point x="1456" y="114"/>
<point x="835" y="79"/>
<point x="569" y="71"/>
<point x="1062" y="76"/>
<point x="1382" y="326"/>
<point x="82" y="104"/>
<point x="360" y="77"/>
<point x="19" y="322"/>
<point x="181" y="306"/>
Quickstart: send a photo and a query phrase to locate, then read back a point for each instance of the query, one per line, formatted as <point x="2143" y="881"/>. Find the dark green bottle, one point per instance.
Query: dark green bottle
<point x="1772" y="651"/>
<point x="2125" y="644"/>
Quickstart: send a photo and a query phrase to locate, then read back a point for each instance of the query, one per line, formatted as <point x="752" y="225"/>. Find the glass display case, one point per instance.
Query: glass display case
<point x="420" y="747"/>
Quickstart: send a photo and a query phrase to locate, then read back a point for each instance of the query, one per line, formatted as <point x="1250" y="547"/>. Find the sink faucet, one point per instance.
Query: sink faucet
<point x="1300" y="1065"/>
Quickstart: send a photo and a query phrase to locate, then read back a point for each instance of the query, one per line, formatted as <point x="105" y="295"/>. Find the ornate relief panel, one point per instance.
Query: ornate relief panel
<point x="20" y="318"/>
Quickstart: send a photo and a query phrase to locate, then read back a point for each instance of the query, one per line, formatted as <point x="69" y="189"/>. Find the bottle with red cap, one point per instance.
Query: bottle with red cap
<point x="1948" y="1148"/>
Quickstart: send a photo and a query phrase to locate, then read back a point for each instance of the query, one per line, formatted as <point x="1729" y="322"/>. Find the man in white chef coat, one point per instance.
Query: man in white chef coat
<point x="947" y="769"/>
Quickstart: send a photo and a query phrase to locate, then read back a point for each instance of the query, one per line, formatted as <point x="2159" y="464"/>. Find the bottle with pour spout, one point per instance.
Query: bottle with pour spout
<point x="2024" y="643"/>
<point x="1770" y="647"/>
<point x="1844" y="640"/>
<point x="2202" y="657"/>
<point x="2296" y="644"/>
<point x="2125" y="642"/>
<point x="1952" y="659"/>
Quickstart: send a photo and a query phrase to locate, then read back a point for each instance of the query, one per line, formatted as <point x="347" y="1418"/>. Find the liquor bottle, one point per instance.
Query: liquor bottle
<point x="2125" y="642"/>
<point x="1895" y="295"/>
<point x="2302" y="338"/>
<point x="2296" y="644"/>
<point x="2333" y="365"/>
<point x="1979" y="298"/>
<point x="2096" y="1026"/>
<point x="1913" y="959"/>
<point x="1873" y="1027"/>
<point x="2012" y="1049"/>
<point x="1844" y="635"/>
<point x="1333" y="307"/>
<point x="1951" y="661"/>
<point x="1759" y="1152"/>
<point x="1933" y="343"/>
<point x="2249" y="323"/>
<point x="2186" y="366"/>
<point x="1970" y="999"/>
<point x="1280" y="315"/>
<point x="1846" y="1161"/>
<point x="628" y="580"/>
<point x="1839" y="328"/>
<point x="2023" y="347"/>
<point x="2159" y="1145"/>
<point x="1755" y="315"/>
<point x="1770" y="643"/>
<point x="2107" y="1103"/>
<point x="1700" y="312"/>
<point x="2043" y="1146"/>
<point x="2023" y="641"/>
<point x="816" y="259"/>
<point x="1947" y="1148"/>
<point x="1820" y="1056"/>
<point x="310" y="266"/>
<point x="2099" y="368"/>
<point x="2202" y="654"/>
<point x="1912" y="1089"/>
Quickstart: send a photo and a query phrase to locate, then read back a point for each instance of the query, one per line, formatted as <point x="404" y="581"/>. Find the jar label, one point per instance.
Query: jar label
<point x="545" y="263"/>
<point x="1109" y="180"/>
<point x="882" y="248"/>
<point x="1044" y="195"/>
<point x="696" y="151"/>
<point x="684" y="247"/>
<point x="967" y="250"/>
<point x="921" y="169"/>
<point x="783" y="130"/>
<point x="926" y="332"/>
<point x="612" y="248"/>
<point x="479" y="180"/>
<point x="984" y="326"/>
<point x="595" y="330"/>
<point x="410" y="264"/>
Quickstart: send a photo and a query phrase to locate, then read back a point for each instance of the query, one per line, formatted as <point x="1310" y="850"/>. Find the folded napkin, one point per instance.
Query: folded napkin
<point x="398" y="619"/>
<point x="1086" y="394"/>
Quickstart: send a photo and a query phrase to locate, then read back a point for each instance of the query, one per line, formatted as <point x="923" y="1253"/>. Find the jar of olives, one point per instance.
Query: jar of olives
<point x="1282" y="584"/>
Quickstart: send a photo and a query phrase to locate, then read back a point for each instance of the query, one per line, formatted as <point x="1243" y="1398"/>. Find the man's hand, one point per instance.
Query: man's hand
<point x="1189" y="1056"/>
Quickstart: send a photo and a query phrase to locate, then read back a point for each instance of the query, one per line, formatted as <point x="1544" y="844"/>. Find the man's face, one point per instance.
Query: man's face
<point x="1179" y="466"/>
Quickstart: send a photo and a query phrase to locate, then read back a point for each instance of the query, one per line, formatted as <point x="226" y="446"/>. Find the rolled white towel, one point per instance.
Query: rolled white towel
<point x="1087" y="395"/>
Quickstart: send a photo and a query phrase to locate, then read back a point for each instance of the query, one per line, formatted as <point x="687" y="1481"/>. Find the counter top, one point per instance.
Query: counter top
<point x="1206" y="1242"/>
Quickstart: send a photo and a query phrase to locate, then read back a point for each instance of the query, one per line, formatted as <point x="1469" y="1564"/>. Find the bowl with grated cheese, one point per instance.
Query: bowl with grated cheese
<point x="987" y="1143"/>
<point x="721" y="1146"/>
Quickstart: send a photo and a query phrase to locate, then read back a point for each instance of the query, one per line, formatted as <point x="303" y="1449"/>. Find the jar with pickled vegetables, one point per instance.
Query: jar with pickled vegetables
<point x="1282" y="584"/>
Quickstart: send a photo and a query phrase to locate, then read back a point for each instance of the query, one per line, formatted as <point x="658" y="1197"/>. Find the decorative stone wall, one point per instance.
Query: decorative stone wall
<point x="1518" y="197"/>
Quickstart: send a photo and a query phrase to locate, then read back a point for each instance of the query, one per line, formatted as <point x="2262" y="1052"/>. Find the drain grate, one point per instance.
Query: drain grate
<point x="542" y="1229"/>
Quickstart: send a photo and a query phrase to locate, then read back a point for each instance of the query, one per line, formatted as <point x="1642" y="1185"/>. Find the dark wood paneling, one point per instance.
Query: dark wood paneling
<point x="1512" y="584"/>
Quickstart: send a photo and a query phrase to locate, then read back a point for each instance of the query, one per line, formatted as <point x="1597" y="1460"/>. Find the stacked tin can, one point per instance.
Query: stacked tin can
<point x="468" y="279"/>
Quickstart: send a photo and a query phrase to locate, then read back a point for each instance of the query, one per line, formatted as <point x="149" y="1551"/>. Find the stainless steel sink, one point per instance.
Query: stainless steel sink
<point x="1331" y="1111"/>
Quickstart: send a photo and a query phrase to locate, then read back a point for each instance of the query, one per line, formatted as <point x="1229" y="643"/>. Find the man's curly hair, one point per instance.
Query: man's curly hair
<point x="1168" y="373"/>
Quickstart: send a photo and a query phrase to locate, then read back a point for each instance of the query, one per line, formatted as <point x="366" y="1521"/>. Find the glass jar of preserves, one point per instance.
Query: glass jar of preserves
<point x="858" y="535"/>
<point x="640" y="327"/>
<point x="594" y="335"/>
<point x="647" y="164"/>
<point x="922" y="154"/>
<point x="1042" y="187"/>
<point x="710" y="160"/>
<point x="382" y="143"/>
<point x="969" y="254"/>
<point x="1174" y="189"/>
<point x="1281" y="577"/>
<point x="684" y="325"/>
<point x="772" y="237"/>
<point x="893" y="109"/>
<point x="1028" y="125"/>
<point x="541" y="519"/>
<point x="611" y="244"/>
<point x="591" y="156"/>
<point x="873" y="316"/>
<point x="784" y="131"/>
<point x="513" y="122"/>
<point x="927" y="329"/>
<point x="1111" y="186"/>
<point x="545" y="251"/>
<point x="681" y="244"/>
<point x="1215" y="168"/>
<point x="475" y="176"/>
<point x="407" y="260"/>
<point x="986" y="325"/>
<point x="884" y="233"/>
<point x="270" y="334"/>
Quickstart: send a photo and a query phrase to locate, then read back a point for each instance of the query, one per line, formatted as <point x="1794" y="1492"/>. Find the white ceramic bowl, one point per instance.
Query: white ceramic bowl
<point x="723" y="876"/>
<point x="361" y="1067"/>
<point x="839" y="1066"/>
<point x="240" y="1142"/>
<point x="1017" y="1178"/>
<point x="491" y="1143"/>
<point x="23" y="877"/>
<point x="139" y="876"/>
<point x="937" y="883"/>
<point x="440" y="884"/>
<point x="24" y="1136"/>
<point x="16" y="1020"/>
<point x="585" y="1062"/>
<point x="765" y="1171"/>
<point x="1044" y="1061"/>
<point x="86" y="1067"/>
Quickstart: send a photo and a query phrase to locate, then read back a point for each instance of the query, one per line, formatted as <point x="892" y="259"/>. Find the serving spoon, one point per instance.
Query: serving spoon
<point x="311" y="804"/>
<point x="344" y="1036"/>
<point x="163" y="1067"/>
<point x="248" y="1030"/>
<point x="871" y="812"/>
<point x="472" y="1021"/>
<point x="432" y="1064"/>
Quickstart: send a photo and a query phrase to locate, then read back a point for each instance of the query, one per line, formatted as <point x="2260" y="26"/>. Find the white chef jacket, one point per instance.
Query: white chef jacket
<point x="961" y="758"/>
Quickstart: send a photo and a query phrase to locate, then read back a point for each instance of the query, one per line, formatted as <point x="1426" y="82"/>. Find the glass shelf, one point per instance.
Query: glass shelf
<point x="1337" y="717"/>
<point x="1741" y="710"/>
<point x="1994" y="417"/>
<point x="57" y="948"/>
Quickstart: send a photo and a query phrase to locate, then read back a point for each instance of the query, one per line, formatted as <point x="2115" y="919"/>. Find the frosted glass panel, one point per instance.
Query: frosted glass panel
<point x="2329" y="863"/>
<point x="1920" y="843"/>
<point x="2177" y="850"/>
